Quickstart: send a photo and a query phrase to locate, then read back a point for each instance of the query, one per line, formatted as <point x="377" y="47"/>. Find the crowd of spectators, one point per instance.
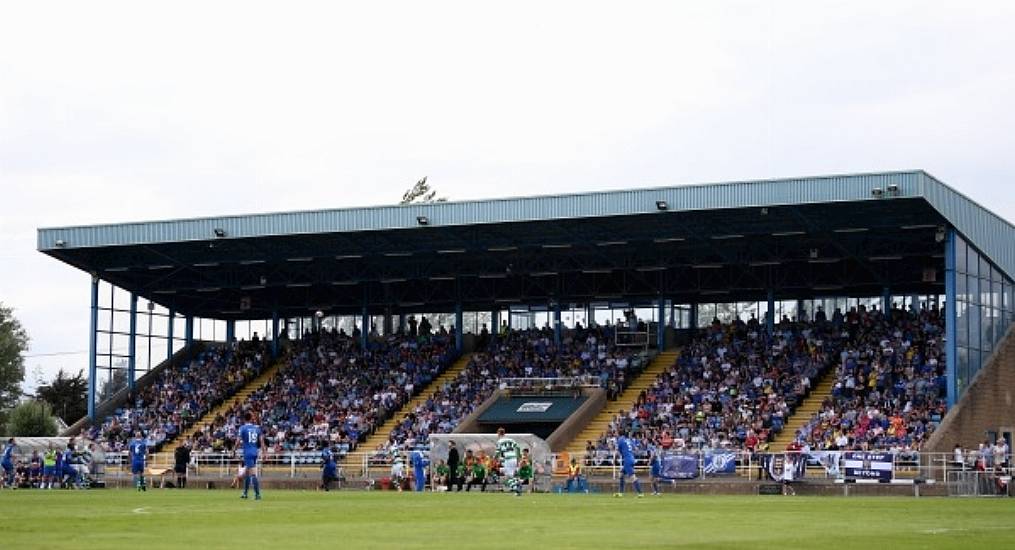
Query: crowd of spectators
<point x="890" y="385"/>
<point x="332" y="393"/>
<point x="178" y="397"/>
<point x="732" y="386"/>
<point x="519" y="354"/>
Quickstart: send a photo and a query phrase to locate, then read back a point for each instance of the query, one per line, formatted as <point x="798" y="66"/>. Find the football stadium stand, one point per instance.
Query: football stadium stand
<point x="736" y="276"/>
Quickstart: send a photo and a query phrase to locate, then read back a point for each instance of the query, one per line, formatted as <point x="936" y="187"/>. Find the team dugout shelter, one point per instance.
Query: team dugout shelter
<point x="681" y="256"/>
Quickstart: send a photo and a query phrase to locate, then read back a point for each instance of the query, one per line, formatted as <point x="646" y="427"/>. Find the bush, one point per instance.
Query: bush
<point x="31" y="419"/>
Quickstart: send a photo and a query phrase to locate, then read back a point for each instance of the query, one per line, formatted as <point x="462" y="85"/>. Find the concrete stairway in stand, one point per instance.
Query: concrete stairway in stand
<point x="598" y="425"/>
<point x="383" y="432"/>
<point x="802" y="415"/>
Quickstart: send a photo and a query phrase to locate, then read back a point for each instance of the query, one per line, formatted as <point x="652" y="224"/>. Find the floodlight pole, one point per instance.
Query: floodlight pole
<point x="188" y="331"/>
<point x="92" y="345"/>
<point x="132" y="344"/>
<point x="230" y="330"/>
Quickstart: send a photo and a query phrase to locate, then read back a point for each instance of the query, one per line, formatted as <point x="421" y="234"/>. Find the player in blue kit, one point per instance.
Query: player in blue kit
<point x="329" y="470"/>
<point x="656" y="464"/>
<point x="252" y="441"/>
<point x="419" y="464"/>
<point x="625" y="447"/>
<point x="70" y="473"/>
<point x="137" y="449"/>
<point x="7" y="463"/>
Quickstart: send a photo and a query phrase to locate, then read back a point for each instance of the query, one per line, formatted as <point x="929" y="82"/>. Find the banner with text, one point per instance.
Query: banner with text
<point x="863" y="465"/>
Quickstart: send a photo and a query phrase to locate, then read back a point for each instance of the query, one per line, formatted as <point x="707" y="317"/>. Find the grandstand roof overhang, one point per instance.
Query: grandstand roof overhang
<point x="835" y="235"/>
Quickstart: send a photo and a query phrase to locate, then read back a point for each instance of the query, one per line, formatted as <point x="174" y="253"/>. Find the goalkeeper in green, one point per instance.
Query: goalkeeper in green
<point x="507" y="453"/>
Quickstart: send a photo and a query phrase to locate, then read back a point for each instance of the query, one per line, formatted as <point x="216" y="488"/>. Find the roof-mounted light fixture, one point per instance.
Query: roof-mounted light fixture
<point x="877" y="192"/>
<point x="662" y="205"/>
<point x="220" y="233"/>
<point x="422" y="220"/>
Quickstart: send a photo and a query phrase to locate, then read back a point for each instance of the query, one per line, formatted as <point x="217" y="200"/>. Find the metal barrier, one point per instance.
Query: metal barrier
<point x="963" y="479"/>
<point x="583" y="381"/>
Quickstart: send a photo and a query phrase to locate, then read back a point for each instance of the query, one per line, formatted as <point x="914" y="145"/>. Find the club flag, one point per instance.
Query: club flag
<point x="717" y="463"/>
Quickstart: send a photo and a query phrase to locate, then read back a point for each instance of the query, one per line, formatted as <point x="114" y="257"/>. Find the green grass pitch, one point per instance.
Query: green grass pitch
<point x="292" y="519"/>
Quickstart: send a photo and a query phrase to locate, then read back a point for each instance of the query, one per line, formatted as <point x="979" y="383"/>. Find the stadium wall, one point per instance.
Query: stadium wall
<point x="570" y="428"/>
<point x="988" y="404"/>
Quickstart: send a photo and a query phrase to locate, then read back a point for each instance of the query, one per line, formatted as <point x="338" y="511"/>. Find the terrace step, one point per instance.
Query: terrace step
<point x="802" y="415"/>
<point x="383" y="433"/>
<point x="598" y="425"/>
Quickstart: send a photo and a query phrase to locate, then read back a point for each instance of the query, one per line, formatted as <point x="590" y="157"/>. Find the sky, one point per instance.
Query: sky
<point x="132" y="111"/>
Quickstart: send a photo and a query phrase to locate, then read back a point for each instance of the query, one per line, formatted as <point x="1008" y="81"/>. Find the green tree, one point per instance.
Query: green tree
<point x="421" y="193"/>
<point x="112" y="384"/>
<point x="31" y="419"/>
<point x="66" y="395"/>
<point x="13" y="344"/>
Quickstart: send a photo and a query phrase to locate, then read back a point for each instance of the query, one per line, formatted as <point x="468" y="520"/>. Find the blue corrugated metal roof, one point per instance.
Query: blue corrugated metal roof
<point x="987" y="231"/>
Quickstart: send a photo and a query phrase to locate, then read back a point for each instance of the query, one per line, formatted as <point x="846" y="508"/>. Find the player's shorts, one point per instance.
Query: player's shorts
<point x="241" y="471"/>
<point x="48" y="471"/>
<point x="329" y="473"/>
<point x="137" y="467"/>
<point x="250" y="461"/>
<point x="510" y="467"/>
<point x="180" y="469"/>
<point x="398" y="470"/>
<point x="628" y="469"/>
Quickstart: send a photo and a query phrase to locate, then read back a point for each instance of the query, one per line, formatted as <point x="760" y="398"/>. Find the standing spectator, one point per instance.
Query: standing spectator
<point x="182" y="458"/>
<point x="1000" y="453"/>
<point x="453" y="461"/>
<point x="959" y="457"/>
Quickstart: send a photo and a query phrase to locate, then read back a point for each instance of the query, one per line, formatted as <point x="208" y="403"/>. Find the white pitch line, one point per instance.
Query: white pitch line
<point x="142" y="510"/>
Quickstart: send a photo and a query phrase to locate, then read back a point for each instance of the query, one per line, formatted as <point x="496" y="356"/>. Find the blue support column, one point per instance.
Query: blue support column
<point x="886" y="300"/>
<point x="230" y="330"/>
<point x="274" y="334"/>
<point x="364" y="331"/>
<point x="92" y="348"/>
<point x="557" y="325"/>
<point x="661" y="325"/>
<point x="694" y="317"/>
<point x="495" y="325"/>
<point x="799" y="311"/>
<point x="951" y="321"/>
<point x="169" y="335"/>
<point x="459" y="316"/>
<point x="770" y="316"/>
<point x="132" y="343"/>
<point x="401" y="323"/>
<point x="188" y="331"/>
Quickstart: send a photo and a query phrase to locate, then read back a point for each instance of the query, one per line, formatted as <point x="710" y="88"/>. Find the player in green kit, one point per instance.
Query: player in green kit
<point x="508" y="452"/>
